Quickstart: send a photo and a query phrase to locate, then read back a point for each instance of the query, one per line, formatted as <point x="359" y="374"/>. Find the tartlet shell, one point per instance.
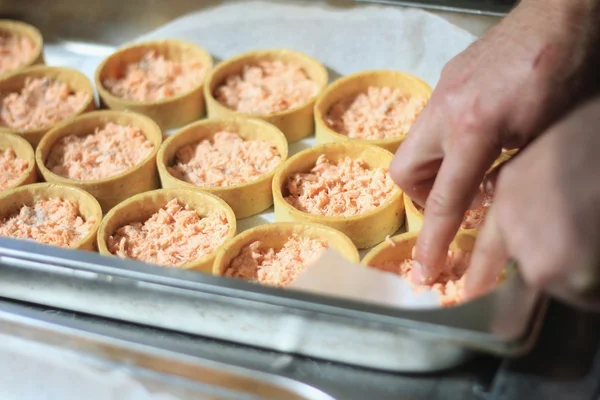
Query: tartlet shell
<point x="399" y="247"/>
<point x="12" y="200"/>
<point x="22" y="29"/>
<point x="109" y="191"/>
<point x="275" y="235"/>
<point x="245" y="199"/>
<point x="23" y="151"/>
<point x="365" y="230"/>
<point x="140" y="207"/>
<point x="295" y="123"/>
<point x="354" y="84"/>
<point x="169" y="113"/>
<point x="74" y="79"/>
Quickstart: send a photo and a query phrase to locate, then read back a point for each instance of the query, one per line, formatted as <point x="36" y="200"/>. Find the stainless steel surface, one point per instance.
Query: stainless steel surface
<point x="187" y="377"/>
<point x="504" y="323"/>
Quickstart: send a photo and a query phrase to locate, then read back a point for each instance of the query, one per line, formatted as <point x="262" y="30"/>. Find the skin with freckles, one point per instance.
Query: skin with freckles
<point x="501" y="92"/>
<point x="546" y="214"/>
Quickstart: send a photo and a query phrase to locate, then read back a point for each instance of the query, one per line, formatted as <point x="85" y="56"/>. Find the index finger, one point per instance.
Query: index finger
<point x="452" y="193"/>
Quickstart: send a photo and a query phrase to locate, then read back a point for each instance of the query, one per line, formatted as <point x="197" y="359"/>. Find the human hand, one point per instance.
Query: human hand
<point x="501" y="92"/>
<point x="546" y="214"/>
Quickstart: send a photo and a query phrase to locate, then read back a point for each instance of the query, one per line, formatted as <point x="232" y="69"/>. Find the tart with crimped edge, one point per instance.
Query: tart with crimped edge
<point x="395" y="254"/>
<point x="13" y="200"/>
<point x="294" y="119"/>
<point x="245" y="197"/>
<point x="369" y="219"/>
<point x="369" y="108"/>
<point x="275" y="254"/>
<point x="149" y="69"/>
<point x="19" y="153"/>
<point x="140" y="177"/>
<point x="30" y="37"/>
<point x="140" y="209"/>
<point x="415" y="216"/>
<point x="76" y="97"/>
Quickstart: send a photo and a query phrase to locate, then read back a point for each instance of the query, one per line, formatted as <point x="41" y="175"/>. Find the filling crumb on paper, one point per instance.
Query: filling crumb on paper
<point x="346" y="188"/>
<point x="378" y="113"/>
<point x="225" y="160"/>
<point x="451" y="282"/>
<point x="15" y="51"/>
<point x="107" y="152"/>
<point x="174" y="236"/>
<point x="267" y="87"/>
<point x="154" y="78"/>
<point x="275" y="267"/>
<point x="12" y="168"/>
<point x="52" y="221"/>
<point x="41" y="103"/>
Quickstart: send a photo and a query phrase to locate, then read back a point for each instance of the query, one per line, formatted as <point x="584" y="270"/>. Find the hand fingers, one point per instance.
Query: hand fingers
<point x="418" y="159"/>
<point x="453" y="191"/>
<point x="488" y="259"/>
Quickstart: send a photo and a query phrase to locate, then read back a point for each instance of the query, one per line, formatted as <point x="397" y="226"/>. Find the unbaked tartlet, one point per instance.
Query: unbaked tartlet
<point x="161" y="79"/>
<point x="21" y="46"/>
<point x="277" y="86"/>
<point x="17" y="162"/>
<point x="396" y="255"/>
<point x="110" y="154"/>
<point x="372" y="107"/>
<point x="275" y="254"/>
<point x="51" y="214"/>
<point x="176" y="228"/>
<point x="37" y="98"/>
<point x="342" y="185"/>
<point x="233" y="158"/>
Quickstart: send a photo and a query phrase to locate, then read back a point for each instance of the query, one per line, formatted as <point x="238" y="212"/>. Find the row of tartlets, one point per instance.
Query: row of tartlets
<point x="185" y="225"/>
<point x="213" y="171"/>
<point x="174" y="83"/>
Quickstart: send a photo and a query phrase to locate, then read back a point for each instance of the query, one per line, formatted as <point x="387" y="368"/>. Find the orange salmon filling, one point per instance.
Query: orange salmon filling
<point x="451" y="282"/>
<point x="344" y="189"/>
<point x="174" y="236"/>
<point x="156" y="78"/>
<point x="15" y="50"/>
<point x="51" y="221"/>
<point x="267" y="87"/>
<point x="106" y="152"/>
<point x="474" y="218"/>
<point x="226" y="160"/>
<point x="11" y="168"/>
<point x="378" y="113"/>
<point x="41" y="103"/>
<point x="275" y="267"/>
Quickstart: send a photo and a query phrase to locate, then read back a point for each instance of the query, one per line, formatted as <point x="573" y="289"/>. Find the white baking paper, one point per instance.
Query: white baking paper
<point x="333" y="275"/>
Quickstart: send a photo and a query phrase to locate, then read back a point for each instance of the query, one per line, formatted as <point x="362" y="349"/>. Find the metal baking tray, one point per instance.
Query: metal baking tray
<point x="504" y="322"/>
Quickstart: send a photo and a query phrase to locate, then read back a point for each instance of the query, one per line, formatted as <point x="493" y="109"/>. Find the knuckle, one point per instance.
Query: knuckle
<point x="441" y="205"/>
<point x="400" y="172"/>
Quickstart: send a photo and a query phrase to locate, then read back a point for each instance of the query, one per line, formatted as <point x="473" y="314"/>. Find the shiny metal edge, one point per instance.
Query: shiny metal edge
<point x="221" y="380"/>
<point x="503" y="323"/>
<point x="463" y="7"/>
